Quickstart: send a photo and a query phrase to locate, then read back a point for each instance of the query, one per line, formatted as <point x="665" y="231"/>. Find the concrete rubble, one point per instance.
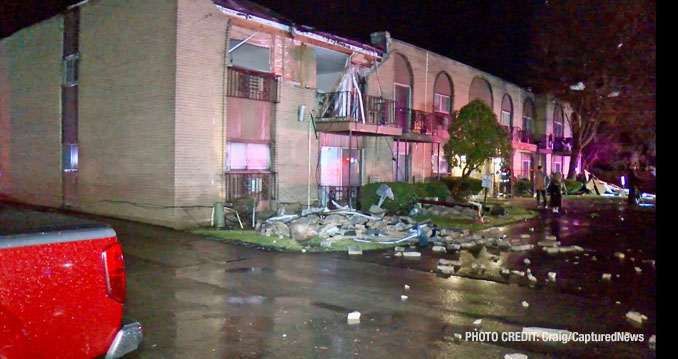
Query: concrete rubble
<point x="353" y="318"/>
<point x="636" y="318"/>
<point x="515" y="356"/>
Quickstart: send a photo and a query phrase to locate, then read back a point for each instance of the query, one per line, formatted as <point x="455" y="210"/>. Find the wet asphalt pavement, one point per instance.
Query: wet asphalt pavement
<point x="201" y="298"/>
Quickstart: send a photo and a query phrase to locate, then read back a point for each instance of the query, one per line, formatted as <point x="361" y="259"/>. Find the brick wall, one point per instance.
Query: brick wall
<point x="30" y="113"/>
<point x="291" y="139"/>
<point x="200" y="108"/>
<point x="126" y="109"/>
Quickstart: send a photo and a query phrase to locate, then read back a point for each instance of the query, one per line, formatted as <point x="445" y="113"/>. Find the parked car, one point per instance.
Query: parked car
<point x="62" y="288"/>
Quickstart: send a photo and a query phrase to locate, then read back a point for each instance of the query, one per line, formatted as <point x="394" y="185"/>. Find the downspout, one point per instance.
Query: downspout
<point x="308" y="175"/>
<point x="223" y="108"/>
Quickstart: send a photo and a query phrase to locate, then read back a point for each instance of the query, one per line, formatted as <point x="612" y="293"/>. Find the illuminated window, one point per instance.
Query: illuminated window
<point x="70" y="157"/>
<point x="248" y="156"/>
<point x="505" y="118"/>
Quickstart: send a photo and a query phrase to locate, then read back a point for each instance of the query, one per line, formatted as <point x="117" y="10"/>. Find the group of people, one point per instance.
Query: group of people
<point x="555" y="186"/>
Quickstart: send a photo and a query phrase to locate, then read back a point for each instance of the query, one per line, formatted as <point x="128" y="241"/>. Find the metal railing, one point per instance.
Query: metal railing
<point x="254" y="85"/>
<point x="260" y="186"/>
<point x="346" y="106"/>
<point x="415" y="121"/>
<point x="557" y="144"/>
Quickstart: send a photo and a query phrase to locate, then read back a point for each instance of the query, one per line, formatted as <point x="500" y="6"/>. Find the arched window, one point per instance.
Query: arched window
<point x="558" y="122"/>
<point x="443" y="92"/>
<point x="507" y="111"/>
<point x="402" y="91"/>
<point x="481" y="89"/>
<point x="528" y="116"/>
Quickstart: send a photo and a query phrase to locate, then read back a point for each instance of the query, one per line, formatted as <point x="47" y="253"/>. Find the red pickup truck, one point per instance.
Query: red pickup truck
<point x="62" y="288"/>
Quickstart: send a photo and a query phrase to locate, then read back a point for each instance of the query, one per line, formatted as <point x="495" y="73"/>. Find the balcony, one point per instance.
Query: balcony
<point x="346" y="111"/>
<point x="417" y="126"/>
<point x="257" y="185"/>
<point x="253" y="85"/>
<point x="555" y="144"/>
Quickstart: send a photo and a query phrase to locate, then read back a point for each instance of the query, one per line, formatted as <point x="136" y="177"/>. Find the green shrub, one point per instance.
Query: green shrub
<point x="469" y="186"/>
<point x="572" y="185"/>
<point x="404" y="196"/>
<point x="431" y="189"/>
<point x="523" y="187"/>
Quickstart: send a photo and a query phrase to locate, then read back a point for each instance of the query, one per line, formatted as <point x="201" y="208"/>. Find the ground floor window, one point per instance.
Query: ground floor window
<point x="438" y="160"/>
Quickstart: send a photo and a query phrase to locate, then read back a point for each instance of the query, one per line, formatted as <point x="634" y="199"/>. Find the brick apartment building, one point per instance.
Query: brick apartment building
<point x="155" y="110"/>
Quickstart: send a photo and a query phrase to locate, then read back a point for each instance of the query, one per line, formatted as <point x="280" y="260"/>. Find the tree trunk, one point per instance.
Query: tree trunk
<point x="574" y="155"/>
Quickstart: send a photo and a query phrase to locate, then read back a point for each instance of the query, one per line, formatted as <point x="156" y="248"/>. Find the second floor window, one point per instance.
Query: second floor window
<point x="441" y="103"/>
<point x="528" y="124"/>
<point x="505" y="118"/>
<point x="558" y="129"/>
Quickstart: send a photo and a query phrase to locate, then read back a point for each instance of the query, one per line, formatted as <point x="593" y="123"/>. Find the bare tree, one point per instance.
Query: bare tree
<point x="600" y="57"/>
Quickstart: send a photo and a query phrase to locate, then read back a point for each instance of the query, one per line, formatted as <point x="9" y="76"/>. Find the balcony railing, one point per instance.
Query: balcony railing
<point x="415" y="121"/>
<point x="557" y="144"/>
<point x="346" y="106"/>
<point x="260" y="186"/>
<point x="442" y="119"/>
<point x="254" y="85"/>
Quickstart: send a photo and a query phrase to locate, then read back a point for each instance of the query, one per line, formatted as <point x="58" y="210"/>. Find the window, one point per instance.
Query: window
<point x="505" y="118"/>
<point x="525" y="169"/>
<point x="441" y="103"/>
<point x="557" y="167"/>
<point x="557" y="129"/>
<point x="438" y="164"/>
<point x="248" y="156"/>
<point x="249" y="56"/>
<point x="528" y="124"/>
<point x="70" y="157"/>
<point x="70" y="70"/>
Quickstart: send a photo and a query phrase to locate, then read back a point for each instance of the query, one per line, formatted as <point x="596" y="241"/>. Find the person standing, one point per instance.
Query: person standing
<point x="556" y="189"/>
<point x="634" y="184"/>
<point x="540" y="181"/>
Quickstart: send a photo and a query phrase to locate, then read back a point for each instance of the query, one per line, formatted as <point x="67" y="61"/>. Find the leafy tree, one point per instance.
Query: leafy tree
<point x="600" y="57"/>
<point x="475" y="138"/>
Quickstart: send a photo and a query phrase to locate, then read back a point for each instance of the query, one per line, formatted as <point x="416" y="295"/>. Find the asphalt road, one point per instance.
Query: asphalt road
<point x="200" y="298"/>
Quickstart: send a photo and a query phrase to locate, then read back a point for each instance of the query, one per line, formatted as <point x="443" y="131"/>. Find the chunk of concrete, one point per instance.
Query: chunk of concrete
<point x="412" y="254"/>
<point x="606" y="276"/>
<point x="638" y="270"/>
<point x="403" y="297"/>
<point x="636" y="317"/>
<point x="521" y="247"/>
<point x="353" y="318"/>
<point x="446" y="269"/>
<point x="515" y="356"/>
<point x="525" y="304"/>
<point x="354" y="250"/>
<point x="526" y="261"/>
<point x="407" y="287"/>
<point x="652" y="342"/>
<point x="439" y="249"/>
<point x="619" y="255"/>
<point x="524" y="236"/>
<point x="548" y="243"/>
<point x="552" y="276"/>
<point x="477" y="322"/>
<point x="571" y="249"/>
<point x="531" y="278"/>
<point x="551" y="238"/>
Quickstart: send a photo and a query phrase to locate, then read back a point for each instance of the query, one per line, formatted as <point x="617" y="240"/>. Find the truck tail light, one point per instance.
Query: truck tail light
<point x="114" y="268"/>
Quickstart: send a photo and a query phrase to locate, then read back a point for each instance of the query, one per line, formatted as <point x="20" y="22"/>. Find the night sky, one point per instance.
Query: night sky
<point x="493" y="36"/>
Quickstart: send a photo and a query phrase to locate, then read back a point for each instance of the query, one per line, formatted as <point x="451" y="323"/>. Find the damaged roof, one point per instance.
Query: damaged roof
<point x="248" y="8"/>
